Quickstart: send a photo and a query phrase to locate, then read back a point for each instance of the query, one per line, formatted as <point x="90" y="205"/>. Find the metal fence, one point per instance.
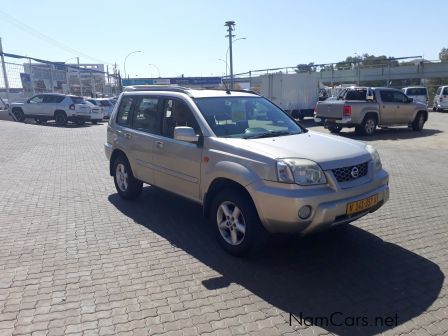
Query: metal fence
<point x="22" y="77"/>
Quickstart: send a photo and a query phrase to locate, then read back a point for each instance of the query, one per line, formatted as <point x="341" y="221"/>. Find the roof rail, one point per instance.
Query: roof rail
<point x="160" y="87"/>
<point x="247" y="91"/>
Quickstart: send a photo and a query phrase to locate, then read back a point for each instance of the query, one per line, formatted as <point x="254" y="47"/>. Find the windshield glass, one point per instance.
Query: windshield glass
<point x="416" y="92"/>
<point x="105" y="103"/>
<point x="246" y="117"/>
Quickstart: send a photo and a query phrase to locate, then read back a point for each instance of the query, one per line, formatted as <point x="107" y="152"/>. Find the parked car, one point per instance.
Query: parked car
<point x="441" y="99"/>
<point x="417" y="93"/>
<point x="248" y="163"/>
<point x="366" y="108"/>
<point x="96" y="114"/>
<point x="104" y="104"/>
<point x="52" y="106"/>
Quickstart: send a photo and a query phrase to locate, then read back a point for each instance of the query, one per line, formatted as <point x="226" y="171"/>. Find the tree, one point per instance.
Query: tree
<point x="443" y="55"/>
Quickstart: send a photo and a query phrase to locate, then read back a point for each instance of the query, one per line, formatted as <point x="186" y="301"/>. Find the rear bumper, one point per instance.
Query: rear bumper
<point x="278" y="208"/>
<point x="345" y="121"/>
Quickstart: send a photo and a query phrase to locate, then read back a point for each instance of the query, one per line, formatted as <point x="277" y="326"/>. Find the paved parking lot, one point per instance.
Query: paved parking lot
<point x="76" y="259"/>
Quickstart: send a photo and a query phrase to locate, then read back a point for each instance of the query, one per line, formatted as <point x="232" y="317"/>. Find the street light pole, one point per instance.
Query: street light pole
<point x="125" y="59"/>
<point x="155" y="66"/>
<point x="230" y="27"/>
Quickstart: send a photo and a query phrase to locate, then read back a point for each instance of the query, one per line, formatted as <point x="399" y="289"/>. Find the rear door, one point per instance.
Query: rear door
<point x="177" y="164"/>
<point x="146" y="126"/>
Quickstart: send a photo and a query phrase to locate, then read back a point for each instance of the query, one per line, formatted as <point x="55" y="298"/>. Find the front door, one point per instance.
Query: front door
<point x="35" y="105"/>
<point x="177" y="164"/>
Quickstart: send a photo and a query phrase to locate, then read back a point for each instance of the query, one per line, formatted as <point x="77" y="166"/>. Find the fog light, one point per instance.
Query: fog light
<point x="305" y="212"/>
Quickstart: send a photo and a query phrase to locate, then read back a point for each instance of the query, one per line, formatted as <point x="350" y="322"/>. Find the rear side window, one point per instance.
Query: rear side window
<point x="356" y="95"/>
<point x="124" y="111"/>
<point x="147" y="115"/>
<point x="416" y="92"/>
<point x="53" y="99"/>
<point x="78" y="100"/>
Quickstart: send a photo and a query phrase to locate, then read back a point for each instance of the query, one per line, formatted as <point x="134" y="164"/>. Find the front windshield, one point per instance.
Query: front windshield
<point x="246" y="117"/>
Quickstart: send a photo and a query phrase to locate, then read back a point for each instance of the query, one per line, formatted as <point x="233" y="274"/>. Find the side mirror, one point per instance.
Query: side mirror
<point x="185" y="133"/>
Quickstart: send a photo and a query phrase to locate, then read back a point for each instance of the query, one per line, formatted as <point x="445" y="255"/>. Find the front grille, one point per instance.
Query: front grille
<point x="345" y="174"/>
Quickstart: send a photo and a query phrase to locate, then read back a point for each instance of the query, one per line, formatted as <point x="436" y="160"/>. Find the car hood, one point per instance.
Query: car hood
<point x="327" y="150"/>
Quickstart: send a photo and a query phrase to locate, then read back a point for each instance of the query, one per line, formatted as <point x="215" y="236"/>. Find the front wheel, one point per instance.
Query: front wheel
<point x="419" y="122"/>
<point x="18" y="113"/>
<point x="236" y="222"/>
<point x="128" y="187"/>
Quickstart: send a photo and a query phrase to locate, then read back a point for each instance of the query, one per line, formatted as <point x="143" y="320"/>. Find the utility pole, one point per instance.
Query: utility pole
<point x="230" y="27"/>
<point x="5" y="78"/>
<point x="79" y="76"/>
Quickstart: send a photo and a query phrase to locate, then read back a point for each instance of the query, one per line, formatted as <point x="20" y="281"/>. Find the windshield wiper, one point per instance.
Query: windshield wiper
<point x="268" y="134"/>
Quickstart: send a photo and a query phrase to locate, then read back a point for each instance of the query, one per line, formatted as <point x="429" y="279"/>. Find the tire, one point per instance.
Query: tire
<point x="238" y="235"/>
<point x="434" y="109"/>
<point x="335" y="129"/>
<point x="368" y="125"/>
<point x="419" y="122"/>
<point x="301" y="117"/>
<point x="61" y="118"/>
<point x="18" y="113"/>
<point x="80" y="122"/>
<point x="128" y="187"/>
<point x="94" y="122"/>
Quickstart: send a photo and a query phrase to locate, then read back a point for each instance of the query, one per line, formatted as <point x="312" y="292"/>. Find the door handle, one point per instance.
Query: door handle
<point x="159" y="144"/>
<point x="128" y="136"/>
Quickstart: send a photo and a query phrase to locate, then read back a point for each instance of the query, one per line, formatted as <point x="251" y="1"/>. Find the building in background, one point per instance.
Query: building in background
<point x="191" y="82"/>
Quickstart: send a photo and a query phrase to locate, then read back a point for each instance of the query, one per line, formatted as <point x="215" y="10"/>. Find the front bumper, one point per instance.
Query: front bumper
<point x="278" y="207"/>
<point x="108" y="150"/>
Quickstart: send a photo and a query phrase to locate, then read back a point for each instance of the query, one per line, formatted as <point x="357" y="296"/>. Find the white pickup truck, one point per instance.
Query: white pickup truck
<point x="366" y="108"/>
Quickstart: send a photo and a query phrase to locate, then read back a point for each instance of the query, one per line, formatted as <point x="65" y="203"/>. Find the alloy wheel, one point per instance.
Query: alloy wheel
<point x="121" y="176"/>
<point x="231" y="223"/>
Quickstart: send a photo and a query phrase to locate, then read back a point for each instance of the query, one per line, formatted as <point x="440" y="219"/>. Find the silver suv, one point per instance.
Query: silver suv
<point x="250" y="165"/>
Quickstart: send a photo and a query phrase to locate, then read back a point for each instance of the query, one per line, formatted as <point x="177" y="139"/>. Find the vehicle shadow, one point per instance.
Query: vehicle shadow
<point x="53" y="124"/>
<point x="395" y="133"/>
<point x="345" y="270"/>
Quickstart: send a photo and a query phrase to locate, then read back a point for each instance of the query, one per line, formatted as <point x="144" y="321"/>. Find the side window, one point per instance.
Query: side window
<point x="445" y="91"/>
<point x="147" y="116"/>
<point x="399" y="97"/>
<point x="58" y="99"/>
<point x="176" y="113"/>
<point x="387" y="96"/>
<point x="124" y="111"/>
<point x="37" y="100"/>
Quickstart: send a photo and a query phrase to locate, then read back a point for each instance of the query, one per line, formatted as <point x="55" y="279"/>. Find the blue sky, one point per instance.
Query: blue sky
<point x="187" y="37"/>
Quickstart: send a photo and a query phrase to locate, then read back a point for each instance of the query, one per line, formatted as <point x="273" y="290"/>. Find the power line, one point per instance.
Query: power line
<point x="46" y="38"/>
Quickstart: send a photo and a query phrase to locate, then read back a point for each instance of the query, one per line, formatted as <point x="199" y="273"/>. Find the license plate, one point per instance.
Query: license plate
<point x="362" y="205"/>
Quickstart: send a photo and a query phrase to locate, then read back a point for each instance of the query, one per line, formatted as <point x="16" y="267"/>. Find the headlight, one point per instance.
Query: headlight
<point x="300" y="171"/>
<point x="375" y="157"/>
